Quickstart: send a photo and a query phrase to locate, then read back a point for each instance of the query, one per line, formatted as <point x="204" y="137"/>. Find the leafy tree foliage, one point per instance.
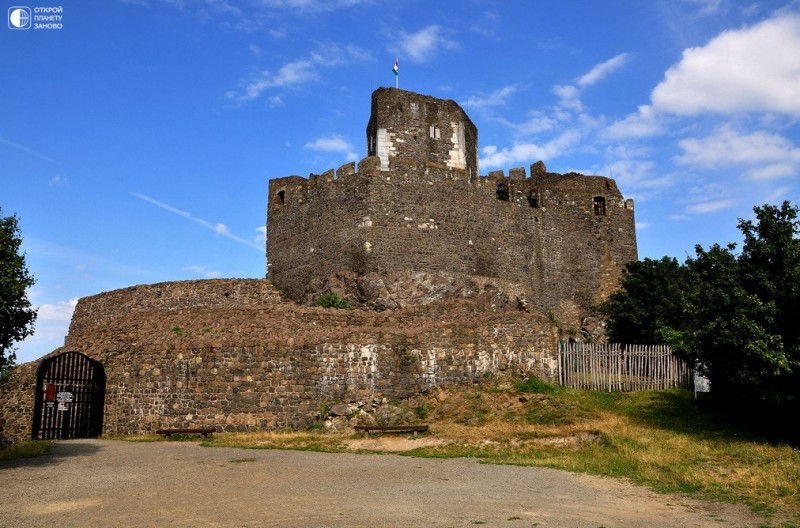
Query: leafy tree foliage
<point x="16" y="315"/>
<point x="737" y="316"/>
<point x="652" y="298"/>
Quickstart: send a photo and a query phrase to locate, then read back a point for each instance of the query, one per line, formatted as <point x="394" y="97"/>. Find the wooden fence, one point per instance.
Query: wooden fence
<point x="615" y="367"/>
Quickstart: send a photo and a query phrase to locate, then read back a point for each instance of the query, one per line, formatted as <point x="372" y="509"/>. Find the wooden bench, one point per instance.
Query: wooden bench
<point x="421" y="428"/>
<point x="205" y="431"/>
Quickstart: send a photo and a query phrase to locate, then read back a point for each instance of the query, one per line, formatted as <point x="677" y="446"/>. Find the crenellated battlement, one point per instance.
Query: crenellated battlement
<point x="537" y="186"/>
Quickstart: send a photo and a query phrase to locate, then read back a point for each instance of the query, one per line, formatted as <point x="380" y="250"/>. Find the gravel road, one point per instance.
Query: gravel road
<point x="176" y="484"/>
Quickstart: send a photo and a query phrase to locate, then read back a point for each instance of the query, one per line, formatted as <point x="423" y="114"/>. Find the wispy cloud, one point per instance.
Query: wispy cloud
<point x="496" y="98"/>
<point x="726" y="147"/>
<point x="7" y="142"/>
<point x="261" y="237"/>
<point x="296" y="73"/>
<point x="567" y="122"/>
<point x="57" y="181"/>
<point x="218" y="228"/>
<point x="333" y="143"/>
<point x="424" y="44"/>
<point x="602" y="70"/>
<point x="202" y="271"/>
<point x="710" y="206"/>
<point x="311" y="6"/>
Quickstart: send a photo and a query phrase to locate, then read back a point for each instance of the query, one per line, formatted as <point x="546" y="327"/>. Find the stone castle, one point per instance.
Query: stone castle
<point x="454" y="275"/>
<point x="416" y="211"/>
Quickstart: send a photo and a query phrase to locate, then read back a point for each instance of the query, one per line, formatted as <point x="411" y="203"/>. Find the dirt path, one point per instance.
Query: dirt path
<point x="176" y="484"/>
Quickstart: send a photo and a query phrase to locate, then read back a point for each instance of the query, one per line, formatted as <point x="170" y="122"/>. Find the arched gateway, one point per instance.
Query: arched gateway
<point x="70" y="393"/>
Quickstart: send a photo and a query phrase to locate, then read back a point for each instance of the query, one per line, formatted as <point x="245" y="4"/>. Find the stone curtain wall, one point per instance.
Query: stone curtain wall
<point x="16" y="404"/>
<point x="93" y="311"/>
<point x="549" y="238"/>
<point x="275" y="364"/>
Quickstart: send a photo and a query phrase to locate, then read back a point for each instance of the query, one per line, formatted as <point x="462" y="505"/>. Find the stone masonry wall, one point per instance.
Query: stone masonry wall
<point x="564" y="239"/>
<point x="421" y="128"/>
<point x="274" y="364"/>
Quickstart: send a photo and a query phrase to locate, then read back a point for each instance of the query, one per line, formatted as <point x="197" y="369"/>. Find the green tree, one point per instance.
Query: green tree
<point x="731" y="331"/>
<point x="653" y="297"/>
<point x="737" y="316"/>
<point x="16" y="315"/>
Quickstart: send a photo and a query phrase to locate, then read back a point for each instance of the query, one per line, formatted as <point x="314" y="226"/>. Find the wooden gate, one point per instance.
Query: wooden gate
<point x="70" y="394"/>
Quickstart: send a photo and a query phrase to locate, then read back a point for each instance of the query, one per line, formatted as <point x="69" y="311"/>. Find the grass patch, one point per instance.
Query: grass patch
<point x="331" y="300"/>
<point x="538" y="386"/>
<point x="32" y="449"/>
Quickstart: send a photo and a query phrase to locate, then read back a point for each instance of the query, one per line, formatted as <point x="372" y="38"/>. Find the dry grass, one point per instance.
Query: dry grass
<point x="658" y="439"/>
<point x="281" y="440"/>
<point x="31" y="449"/>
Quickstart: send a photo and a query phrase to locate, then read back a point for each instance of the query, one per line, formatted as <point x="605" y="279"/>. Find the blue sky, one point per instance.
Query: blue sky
<point x="137" y="141"/>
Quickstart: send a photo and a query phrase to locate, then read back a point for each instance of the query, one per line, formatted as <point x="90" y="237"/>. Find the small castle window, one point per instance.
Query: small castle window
<point x="435" y="133"/>
<point x="282" y="196"/>
<point x="533" y="199"/>
<point x="502" y="191"/>
<point x="599" y="206"/>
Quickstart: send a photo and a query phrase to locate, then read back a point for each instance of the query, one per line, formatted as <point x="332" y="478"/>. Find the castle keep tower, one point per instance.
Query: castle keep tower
<point x="416" y="223"/>
<point x="434" y="131"/>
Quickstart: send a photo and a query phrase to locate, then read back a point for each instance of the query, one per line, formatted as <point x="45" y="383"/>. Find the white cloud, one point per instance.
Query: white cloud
<point x="778" y="195"/>
<point x="602" y="70"/>
<point x="536" y="123"/>
<point x="311" y="6"/>
<point x="709" y="198"/>
<point x="496" y="98"/>
<point x="643" y="123"/>
<point x="59" y="312"/>
<point x="569" y="97"/>
<point x="296" y="73"/>
<point x="710" y="206"/>
<point x="424" y="44"/>
<point x="261" y="237"/>
<point x="202" y="271"/>
<point x="755" y="69"/>
<point x="638" y="175"/>
<point x="529" y="152"/>
<point x="291" y="74"/>
<point x="775" y="171"/>
<point x="52" y="325"/>
<point x="726" y="147"/>
<point x="707" y="7"/>
<point x="57" y="181"/>
<point x="333" y="143"/>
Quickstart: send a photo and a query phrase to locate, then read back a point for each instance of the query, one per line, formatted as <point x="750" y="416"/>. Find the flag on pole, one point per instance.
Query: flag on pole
<point x="396" y="68"/>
